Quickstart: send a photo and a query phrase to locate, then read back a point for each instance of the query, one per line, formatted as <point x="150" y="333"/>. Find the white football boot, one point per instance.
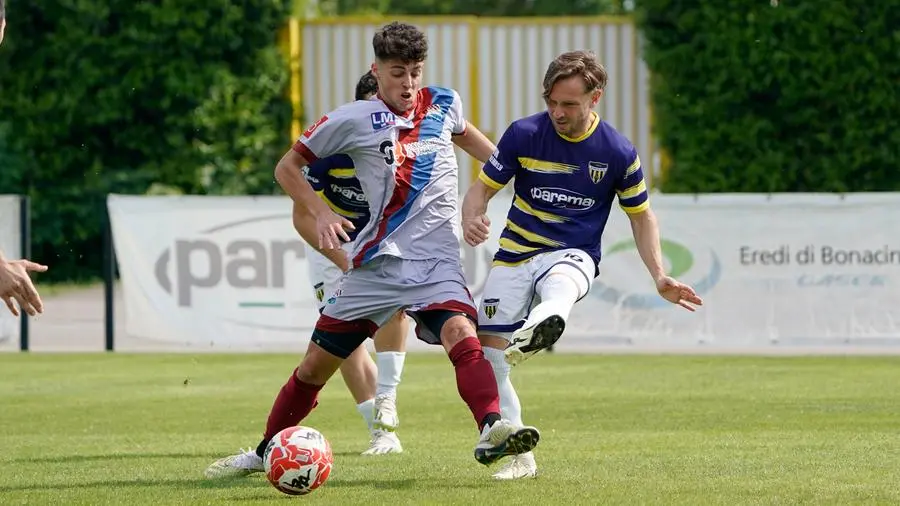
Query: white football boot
<point x="503" y="438"/>
<point x="382" y="443"/>
<point x="527" y="341"/>
<point x="245" y="463"/>
<point x="518" y="467"/>
<point x="386" y="417"/>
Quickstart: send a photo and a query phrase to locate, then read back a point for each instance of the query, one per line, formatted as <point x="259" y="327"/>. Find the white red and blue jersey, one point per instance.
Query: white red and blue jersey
<point x="564" y="187"/>
<point x="334" y="180"/>
<point x="406" y="167"/>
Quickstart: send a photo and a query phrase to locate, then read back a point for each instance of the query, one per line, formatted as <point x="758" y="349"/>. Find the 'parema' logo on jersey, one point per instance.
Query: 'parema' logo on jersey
<point x="349" y="193"/>
<point x="562" y="198"/>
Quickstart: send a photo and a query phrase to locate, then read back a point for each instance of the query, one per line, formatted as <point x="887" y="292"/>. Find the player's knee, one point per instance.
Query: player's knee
<point x="564" y="276"/>
<point x="455" y="329"/>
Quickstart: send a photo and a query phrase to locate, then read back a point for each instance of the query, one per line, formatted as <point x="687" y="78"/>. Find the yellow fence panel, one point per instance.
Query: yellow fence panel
<point x="496" y="64"/>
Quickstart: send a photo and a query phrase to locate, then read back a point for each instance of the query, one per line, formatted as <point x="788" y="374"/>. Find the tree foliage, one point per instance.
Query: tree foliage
<point x="100" y="96"/>
<point x="753" y="96"/>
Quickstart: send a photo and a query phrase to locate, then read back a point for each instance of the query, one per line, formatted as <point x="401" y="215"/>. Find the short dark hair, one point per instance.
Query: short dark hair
<point x="400" y="41"/>
<point x="366" y="86"/>
<point x="576" y="63"/>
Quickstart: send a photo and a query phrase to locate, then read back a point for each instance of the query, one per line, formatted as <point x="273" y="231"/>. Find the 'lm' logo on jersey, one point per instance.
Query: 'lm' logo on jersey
<point x="382" y="120"/>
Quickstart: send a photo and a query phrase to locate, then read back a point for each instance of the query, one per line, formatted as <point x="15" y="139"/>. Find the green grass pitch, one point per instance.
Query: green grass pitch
<point x="140" y="429"/>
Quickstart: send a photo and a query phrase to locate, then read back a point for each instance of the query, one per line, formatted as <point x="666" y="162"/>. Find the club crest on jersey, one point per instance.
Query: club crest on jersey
<point x="320" y="291"/>
<point x="382" y="120"/>
<point x="490" y="307"/>
<point x="597" y="170"/>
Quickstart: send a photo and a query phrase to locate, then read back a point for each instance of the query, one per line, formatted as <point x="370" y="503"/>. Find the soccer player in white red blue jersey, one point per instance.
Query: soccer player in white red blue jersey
<point x="568" y="165"/>
<point x="407" y="257"/>
<point x="374" y="388"/>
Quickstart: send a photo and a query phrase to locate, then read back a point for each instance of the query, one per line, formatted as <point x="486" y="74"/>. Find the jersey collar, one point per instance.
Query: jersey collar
<point x="595" y="121"/>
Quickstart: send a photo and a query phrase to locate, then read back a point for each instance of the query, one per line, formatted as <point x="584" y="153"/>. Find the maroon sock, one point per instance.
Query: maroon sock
<point x="475" y="380"/>
<point x="294" y="402"/>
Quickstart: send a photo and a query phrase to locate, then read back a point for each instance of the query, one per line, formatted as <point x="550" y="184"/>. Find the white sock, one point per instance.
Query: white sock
<point x="390" y="367"/>
<point x="367" y="410"/>
<point x="510" y="408"/>
<point x="558" y="293"/>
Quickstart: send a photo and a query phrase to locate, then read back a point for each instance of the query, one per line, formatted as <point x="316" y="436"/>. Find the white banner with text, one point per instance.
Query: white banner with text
<point x="786" y="270"/>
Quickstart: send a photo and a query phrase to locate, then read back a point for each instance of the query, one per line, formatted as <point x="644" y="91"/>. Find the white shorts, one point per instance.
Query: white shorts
<point x="510" y="292"/>
<point x="324" y="275"/>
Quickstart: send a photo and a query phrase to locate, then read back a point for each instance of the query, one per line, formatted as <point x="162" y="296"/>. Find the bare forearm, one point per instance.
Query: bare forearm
<point x="476" y="200"/>
<point x="290" y="176"/>
<point x="645" y="228"/>
<point x="305" y="225"/>
<point x="475" y="143"/>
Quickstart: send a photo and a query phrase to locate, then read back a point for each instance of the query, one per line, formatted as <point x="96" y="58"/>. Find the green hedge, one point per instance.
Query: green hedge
<point x="751" y="97"/>
<point x="100" y="96"/>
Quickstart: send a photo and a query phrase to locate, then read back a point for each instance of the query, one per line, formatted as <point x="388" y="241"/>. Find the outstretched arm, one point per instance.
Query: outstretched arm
<point x="631" y="189"/>
<point x="645" y="229"/>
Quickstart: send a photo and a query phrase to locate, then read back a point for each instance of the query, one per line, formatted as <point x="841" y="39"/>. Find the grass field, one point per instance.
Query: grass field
<point x="140" y="429"/>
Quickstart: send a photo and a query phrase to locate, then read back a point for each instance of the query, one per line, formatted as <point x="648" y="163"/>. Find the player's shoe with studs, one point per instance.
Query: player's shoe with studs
<point x="527" y="341"/>
<point x="386" y="417"/>
<point x="518" y="467"/>
<point x="234" y="466"/>
<point x="382" y="443"/>
<point x="502" y="439"/>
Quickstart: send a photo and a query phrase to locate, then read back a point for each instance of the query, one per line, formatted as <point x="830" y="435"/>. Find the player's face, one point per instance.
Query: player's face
<point x="570" y="106"/>
<point x="398" y="82"/>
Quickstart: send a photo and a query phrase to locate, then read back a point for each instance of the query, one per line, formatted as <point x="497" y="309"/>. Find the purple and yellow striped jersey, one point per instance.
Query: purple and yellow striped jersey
<point x="334" y="180"/>
<point x="564" y="187"/>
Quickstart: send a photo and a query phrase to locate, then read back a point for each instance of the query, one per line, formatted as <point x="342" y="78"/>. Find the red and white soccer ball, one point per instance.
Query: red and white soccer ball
<point x="298" y="460"/>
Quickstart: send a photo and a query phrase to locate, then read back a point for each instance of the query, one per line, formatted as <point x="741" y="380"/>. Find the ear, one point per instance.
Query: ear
<point x="596" y="97"/>
<point x="374" y="69"/>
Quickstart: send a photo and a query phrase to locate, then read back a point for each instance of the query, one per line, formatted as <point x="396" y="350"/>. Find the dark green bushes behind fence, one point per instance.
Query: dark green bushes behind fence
<point x="750" y="97"/>
<point x="101" y="96"/>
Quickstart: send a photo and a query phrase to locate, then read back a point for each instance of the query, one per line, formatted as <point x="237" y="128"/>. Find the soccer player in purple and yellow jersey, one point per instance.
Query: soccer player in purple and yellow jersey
<point x="569" y="165"/>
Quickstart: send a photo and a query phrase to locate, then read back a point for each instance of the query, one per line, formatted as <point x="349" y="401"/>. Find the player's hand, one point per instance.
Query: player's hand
<point x="476" y="230"/>
<point x="332" y="230"/>
<point x="15" y="283"/>
<point x="678" y="293"/>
